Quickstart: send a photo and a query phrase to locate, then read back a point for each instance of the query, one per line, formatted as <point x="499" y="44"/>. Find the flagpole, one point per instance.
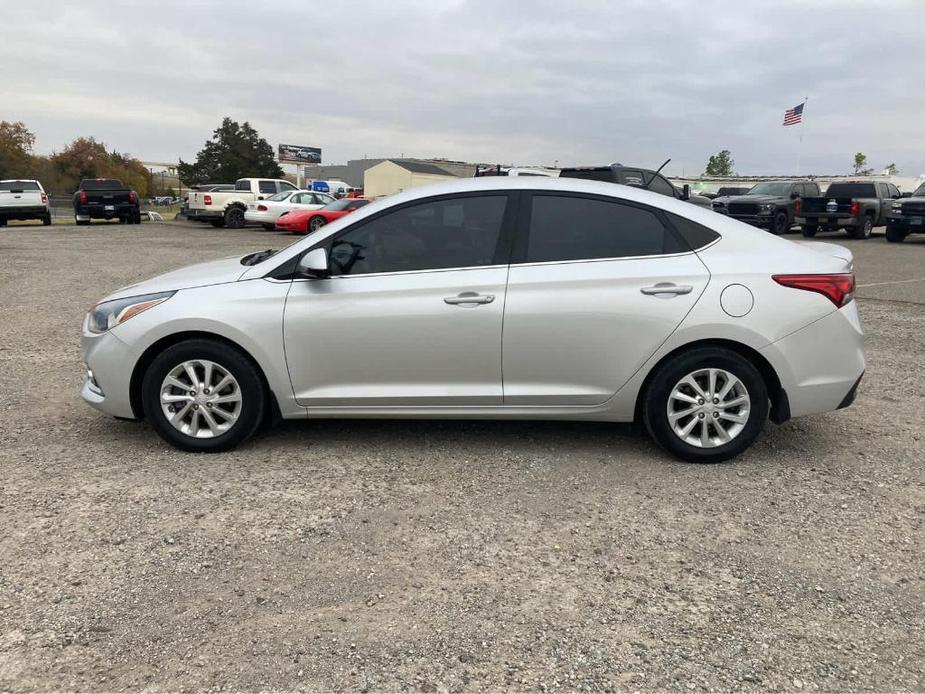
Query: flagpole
<point x="802" y="125"/>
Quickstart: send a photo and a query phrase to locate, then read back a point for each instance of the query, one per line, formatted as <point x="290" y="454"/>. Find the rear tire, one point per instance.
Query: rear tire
<point x="667" y="392"/>
<point x="809" y="230"/>
<point x="243" y="416"/>
<point x="895" y="235"/>
<point x="269" y="227"/>
<point x="2" y="222"/>
<point x="863" y="231"/>
<point x="46" y="220"/>
<point x="234" y="218"/>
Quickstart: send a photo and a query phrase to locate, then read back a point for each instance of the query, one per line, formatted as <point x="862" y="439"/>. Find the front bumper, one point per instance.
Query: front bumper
<point x="111" y="362"/>
<point x="815" y="378"/>
<point x="763" y="221"/>
<point x="907" y="223"/>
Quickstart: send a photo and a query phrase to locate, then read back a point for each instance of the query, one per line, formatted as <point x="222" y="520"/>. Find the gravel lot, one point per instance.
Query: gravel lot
<point x="442" y="555"/>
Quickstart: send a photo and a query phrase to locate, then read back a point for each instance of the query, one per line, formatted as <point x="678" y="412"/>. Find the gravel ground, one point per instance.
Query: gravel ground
<point x="443" y="555"/>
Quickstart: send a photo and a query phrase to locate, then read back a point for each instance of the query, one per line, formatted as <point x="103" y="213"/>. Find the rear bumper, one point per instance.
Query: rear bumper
<point x="195" y="213"/>
<point x="26" y="212"/>
<point x="94" y="211"/>
<point x="820" y="366"/>
<point x="829" y="222"/>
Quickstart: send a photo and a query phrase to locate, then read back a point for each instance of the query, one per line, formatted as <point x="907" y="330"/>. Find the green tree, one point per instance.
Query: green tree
<point x="720" y="164"/>
<point x="860" y="165"/>
<point x="235" y="151"/>
<point x="892" y="169"/>
<point x="15" y="150"/>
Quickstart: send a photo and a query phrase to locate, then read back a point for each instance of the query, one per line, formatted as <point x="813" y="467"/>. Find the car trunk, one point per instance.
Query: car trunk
<point x="821" y="205"/>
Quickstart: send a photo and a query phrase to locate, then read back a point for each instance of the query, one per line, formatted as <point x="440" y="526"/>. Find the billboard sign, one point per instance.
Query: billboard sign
<point x="297" y="154"/>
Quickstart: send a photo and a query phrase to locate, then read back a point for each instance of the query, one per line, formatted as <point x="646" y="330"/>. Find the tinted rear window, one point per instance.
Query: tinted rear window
<point x="695" y="235"/>
<point x="7" y="186"/>
<point x="572" y="228"/>
<point x="104" y="184"/>
<point x="589" y="174"/>
<point x="852" y="190"/>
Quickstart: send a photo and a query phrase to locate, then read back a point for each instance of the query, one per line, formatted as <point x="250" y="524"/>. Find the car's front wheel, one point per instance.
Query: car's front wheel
<point x="203" y="396"/>
<point x="781" y="223"/>
<point x="706" y="405"/>
<point x="315" y="223"/>
<point x="895" y="235"/>
<point x="809" y="230"/>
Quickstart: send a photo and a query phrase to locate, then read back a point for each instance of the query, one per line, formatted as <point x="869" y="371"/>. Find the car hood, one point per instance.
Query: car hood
<point x="199" y="275"/>
<point x="758" y="199"/>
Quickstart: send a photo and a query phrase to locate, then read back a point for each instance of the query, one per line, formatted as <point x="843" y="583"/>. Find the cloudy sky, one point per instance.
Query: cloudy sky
<point x="578" y="82"/>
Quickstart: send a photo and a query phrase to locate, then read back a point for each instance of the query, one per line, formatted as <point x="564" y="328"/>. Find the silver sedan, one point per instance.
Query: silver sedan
<point x="492" y="298"/>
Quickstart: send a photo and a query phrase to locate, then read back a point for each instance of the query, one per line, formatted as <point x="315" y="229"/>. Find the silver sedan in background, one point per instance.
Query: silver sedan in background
<point x="519" y="298"/>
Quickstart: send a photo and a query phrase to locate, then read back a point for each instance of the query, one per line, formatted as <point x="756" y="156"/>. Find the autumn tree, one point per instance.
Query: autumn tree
<point x="15" y="150"/>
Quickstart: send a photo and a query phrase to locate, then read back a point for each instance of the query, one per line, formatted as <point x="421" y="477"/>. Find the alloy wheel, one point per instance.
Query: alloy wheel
<point x="201" y="398"/>
<point x="708" y="408"/>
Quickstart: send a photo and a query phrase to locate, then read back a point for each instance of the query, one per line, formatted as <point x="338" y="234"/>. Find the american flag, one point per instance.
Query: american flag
<point x="794" y="115"/>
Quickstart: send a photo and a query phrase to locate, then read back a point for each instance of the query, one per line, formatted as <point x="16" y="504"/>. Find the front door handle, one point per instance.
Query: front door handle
<point x="469" y="298"/>
<point x="667" y="288"/>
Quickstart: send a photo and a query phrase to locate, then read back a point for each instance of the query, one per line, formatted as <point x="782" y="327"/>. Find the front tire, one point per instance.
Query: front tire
<point x="863" y="231"/>
<point x="203" y="396"/>
<point x="895" y="235"/>
<point x="781" y="224"/>
<point x="706" y="405"/>
<point x="315" y="223"/>
<point x="809" y="230"/>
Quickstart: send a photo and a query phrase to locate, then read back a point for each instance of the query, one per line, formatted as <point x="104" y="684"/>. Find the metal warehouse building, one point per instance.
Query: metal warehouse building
<point x="395" y="175"/>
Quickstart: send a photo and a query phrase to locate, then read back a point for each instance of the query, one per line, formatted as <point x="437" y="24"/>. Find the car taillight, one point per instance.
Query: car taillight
<point x="855" y="208"/>
<point x="44" y="198"/>
<point x="261" y="208"/>
<point x="797" y="207"/>
<point x="131" y="197"/>
<point x="207" y="199"/>
<point x="839" y="289"/>
<point x="83" y="197"/>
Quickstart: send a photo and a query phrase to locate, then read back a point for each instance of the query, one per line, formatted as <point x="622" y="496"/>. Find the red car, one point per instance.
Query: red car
<point x="305" y="221"/>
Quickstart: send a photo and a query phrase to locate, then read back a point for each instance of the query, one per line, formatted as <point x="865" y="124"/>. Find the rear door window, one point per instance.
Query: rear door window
<point x="564" y="228"/>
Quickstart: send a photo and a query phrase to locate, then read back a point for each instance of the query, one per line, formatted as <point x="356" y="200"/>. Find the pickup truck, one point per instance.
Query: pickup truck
<point x="635" y="177"/>
<point x="771" y="205"/>
<point x="106" y="198"/>
<point x="855" y="206"/>
<point x="23" y="199"/>
<point x="906" y="216"/>
<point x="227" y="208"/>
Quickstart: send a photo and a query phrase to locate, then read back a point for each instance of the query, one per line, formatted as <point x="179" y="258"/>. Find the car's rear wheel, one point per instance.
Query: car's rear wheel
<point x="315" y="223"/>
<point x="269" y="227"/>
<point x="895" y="235"/>
<point x="809" y="230"/>
<point x="203" y="396"/>
<point x="863" y="231"/>
<point x="234" y="218"/>
<point x="706" y="405"/>
<point x="2" y="222"/>
<point x="781" y="223"/>
<point x="46" y="220"/>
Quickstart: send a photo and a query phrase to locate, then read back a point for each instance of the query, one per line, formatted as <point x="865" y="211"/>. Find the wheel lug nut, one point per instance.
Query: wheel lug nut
<point x="716" y="414"/>
<point x="700" y="415"/>
<point x="195" y="407"/>
<point x="715" y="400"/>
<point x="208" y="404"/>
<point x="699" y="401"/>
<point x="206" y="391"/>
<point x="171" y="408"/>
<point x="192" y="393"/>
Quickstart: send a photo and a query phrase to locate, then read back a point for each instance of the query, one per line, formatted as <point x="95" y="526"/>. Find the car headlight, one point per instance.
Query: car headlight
<point x="109" y="314"/>
<point x="897" y="207"/>
<point x="765" y="209"/>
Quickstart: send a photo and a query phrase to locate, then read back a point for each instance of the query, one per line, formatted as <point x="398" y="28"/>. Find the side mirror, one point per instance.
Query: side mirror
<point x="314" y="264"/>
<point x="907" y="194"/>
<point x="686" y="192"/>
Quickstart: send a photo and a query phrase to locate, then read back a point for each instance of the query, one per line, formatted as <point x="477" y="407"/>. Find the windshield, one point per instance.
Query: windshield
<point x="776" y="188"/>
<point x="919" y="192"/>
<point x="7" y="186"/>
<point x="279" y="197"/>
<point x="339" y="205"/>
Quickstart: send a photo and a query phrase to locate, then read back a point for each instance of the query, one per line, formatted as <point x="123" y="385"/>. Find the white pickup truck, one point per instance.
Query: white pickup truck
<point x="227" y="208"/>
<point x="23" y="199"/>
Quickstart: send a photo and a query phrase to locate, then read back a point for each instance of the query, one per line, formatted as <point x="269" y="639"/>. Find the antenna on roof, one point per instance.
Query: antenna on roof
<point x="658" y="171"/>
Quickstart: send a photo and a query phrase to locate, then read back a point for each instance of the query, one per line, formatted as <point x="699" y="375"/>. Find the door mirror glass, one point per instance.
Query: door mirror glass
<point x="314" y="264"/>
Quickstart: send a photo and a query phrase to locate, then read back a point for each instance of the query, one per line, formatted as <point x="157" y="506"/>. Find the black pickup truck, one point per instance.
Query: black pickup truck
<point x="771" y="205"/>
<point x="855" y="206"/>
<point x="635" y="177"/>
<point x="906" y="216"/>
<point x="106" y="198"/>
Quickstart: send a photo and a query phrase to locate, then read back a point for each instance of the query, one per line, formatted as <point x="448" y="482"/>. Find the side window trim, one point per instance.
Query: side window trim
<point x="502" y="254"/>
<point x="525" y="212"/>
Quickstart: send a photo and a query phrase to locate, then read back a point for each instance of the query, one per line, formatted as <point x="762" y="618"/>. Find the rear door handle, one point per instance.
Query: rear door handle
<point x="469" y="298"/>
<point x="667" y="288"/>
